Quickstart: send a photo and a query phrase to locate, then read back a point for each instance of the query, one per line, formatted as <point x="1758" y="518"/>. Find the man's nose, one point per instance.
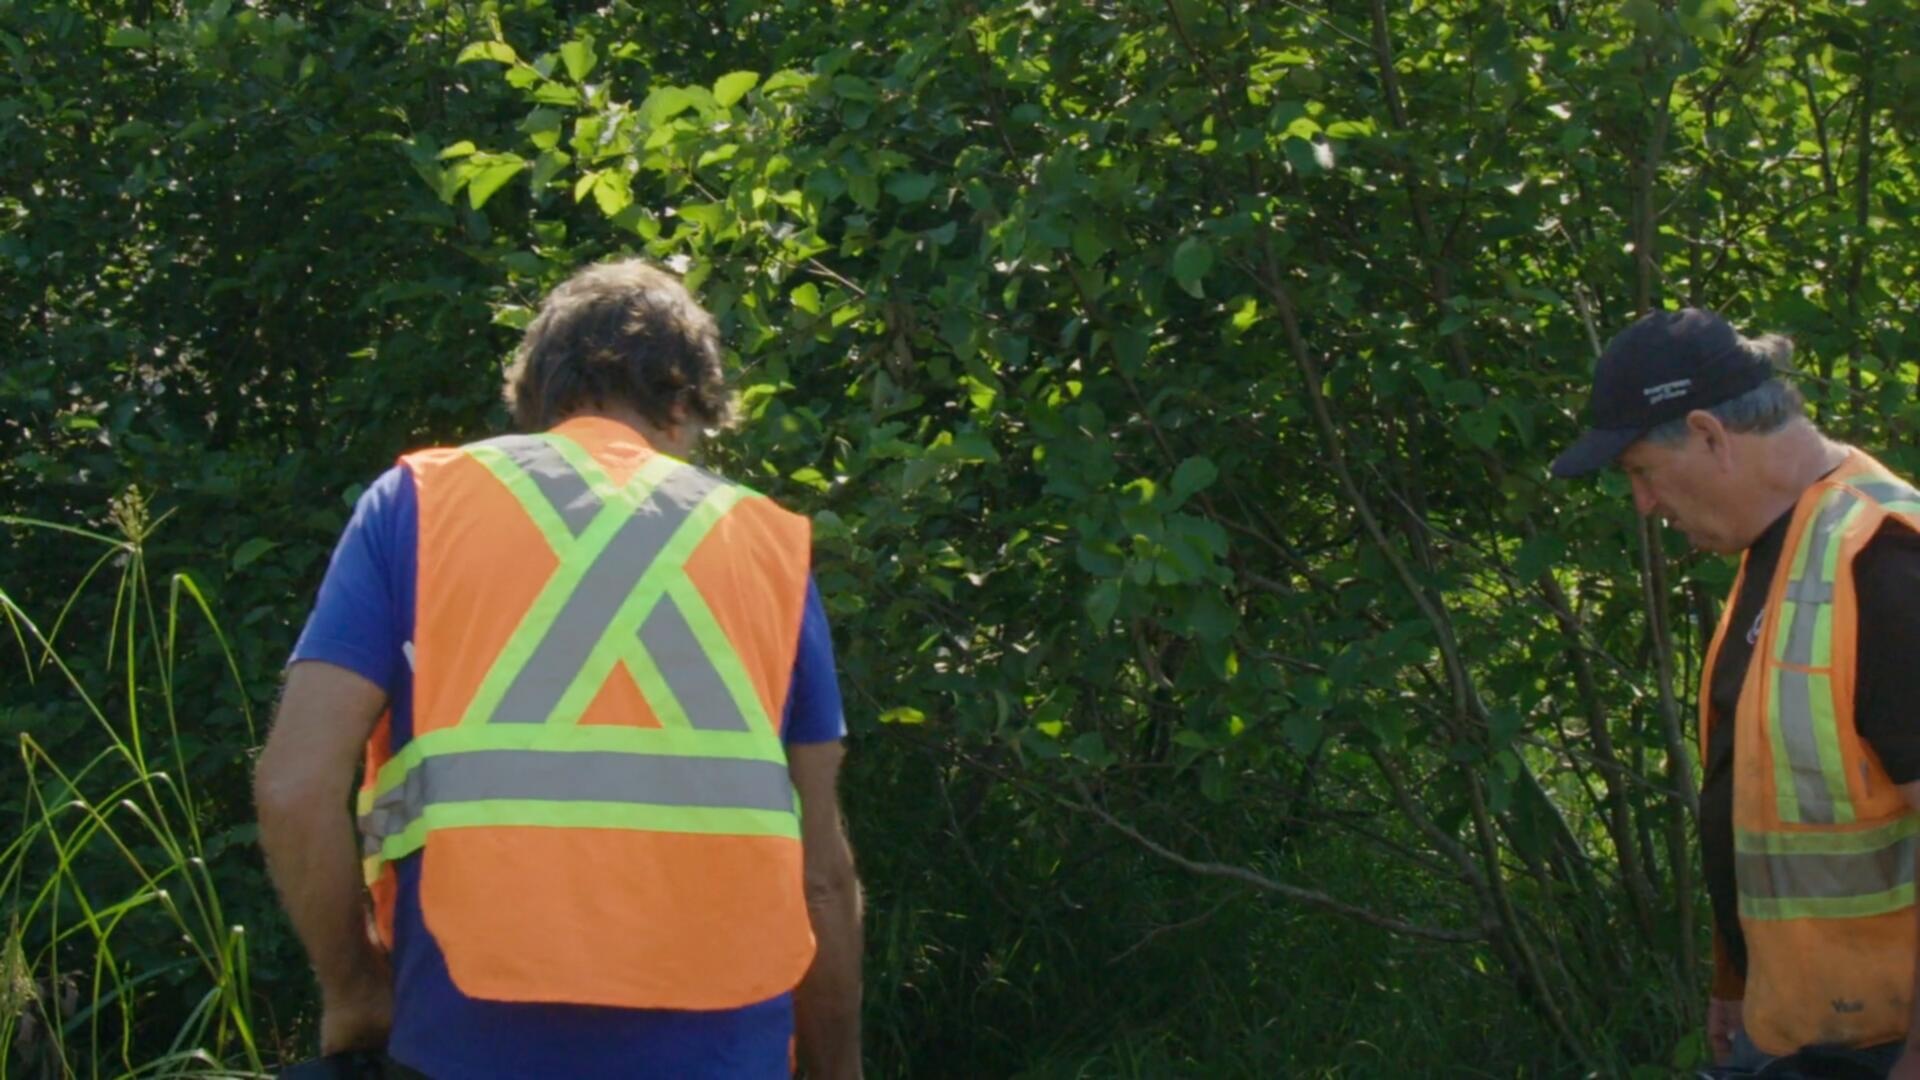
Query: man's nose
<point x="1643" y="500"/>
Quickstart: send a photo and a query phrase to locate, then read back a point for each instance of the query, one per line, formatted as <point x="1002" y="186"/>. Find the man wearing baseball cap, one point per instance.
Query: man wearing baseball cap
<point x="1810" y="697"/>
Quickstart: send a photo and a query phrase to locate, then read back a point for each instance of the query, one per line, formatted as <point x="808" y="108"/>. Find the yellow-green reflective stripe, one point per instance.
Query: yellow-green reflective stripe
<point x="1810" y="783"/>
<point x="580" y="557"/>
<point x="591" y="815"/>
<point x="1801" y="550"/>
<point x="1780" y="719"/>
<point x="1888" y="491"/>
<point x="653" y="686"/>
<point x="1826" y="741"/>
<point x="1809" y="776"/>
<point x="1837" y="907"/>
<point x="1829" y="576"/>
<point x="596" y="477"/>
<point x="658" y="742"/>
<point x="1828" y="841"/>
<point x="525" y="491"/>
<point x="666" y="567"/>
<point x="1796" y="644"/>
<point x="720" y="653"/>
<point x="687" y="667"/>
<point x="1827" y="874"/>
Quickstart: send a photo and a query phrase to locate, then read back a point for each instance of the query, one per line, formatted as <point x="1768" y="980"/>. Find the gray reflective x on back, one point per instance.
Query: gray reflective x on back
<point x="684" y="665"/>
<point x="557" y="479"/>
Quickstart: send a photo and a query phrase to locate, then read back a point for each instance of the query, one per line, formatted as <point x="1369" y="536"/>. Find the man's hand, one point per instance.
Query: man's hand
<point x="357" y="1017"/>
<point x="1723" y="1020"/>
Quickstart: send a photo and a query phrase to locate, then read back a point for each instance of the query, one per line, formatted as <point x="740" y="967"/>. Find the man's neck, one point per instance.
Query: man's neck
<point x="1787" y="464"/>
<point x="667" y="441"/>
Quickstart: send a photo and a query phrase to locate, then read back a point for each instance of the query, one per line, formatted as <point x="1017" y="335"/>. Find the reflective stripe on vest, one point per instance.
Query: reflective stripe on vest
<point x="1821" y="873"/>
<point x="618" y="598"/>
<point x="1826" y="875"/>
<point x="1809" y="782"/>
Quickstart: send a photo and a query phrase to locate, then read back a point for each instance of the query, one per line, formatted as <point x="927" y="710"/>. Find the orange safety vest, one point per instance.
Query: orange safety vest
<point x="1824" y="844"/>
<point x="596" y="784"/>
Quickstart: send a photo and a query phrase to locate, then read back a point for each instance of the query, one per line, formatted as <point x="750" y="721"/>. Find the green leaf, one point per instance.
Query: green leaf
<point x="548" y="166"/>
<point x="730" y="88"/>
<point x="611" y="193"/>
<point x="854" y="88"/>
<point x="1643" y="14"/>
<point x="252" y="550"/>
<point x="788" y="79"/>
<point x="663" y="104"/>
<point x="1194" y="475"/>
<point x="498" y="51"/>
<point x="910" y="187"/>
<point x="1089" y="747"/>
<point x="463" y="148"/>
<point x="1537" y="556"/>
<point x="1481" y="427"/>
<point x="129" y="37"/>
<point x="807" y="298"/>
<point x="1302" y="730"/>
<point x="1191" y="261"/>
<point x="579" y="57"/>
<point x="553" y="93"/>
<point x="1103" y="602"/>
<point x="865" y="190"/>
<point x="905" y="714"/>
<point x="542" y="125"/>
<point x="1209" y="616"/>
<point x="1309" y="157"/>
<point x="490" y="175"/>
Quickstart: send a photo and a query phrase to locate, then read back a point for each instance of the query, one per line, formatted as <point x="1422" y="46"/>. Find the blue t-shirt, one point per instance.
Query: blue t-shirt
<point x="363" y="621"/>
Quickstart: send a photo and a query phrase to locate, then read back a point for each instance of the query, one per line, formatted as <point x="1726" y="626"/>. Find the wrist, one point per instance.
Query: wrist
<point x="365" y="977"/>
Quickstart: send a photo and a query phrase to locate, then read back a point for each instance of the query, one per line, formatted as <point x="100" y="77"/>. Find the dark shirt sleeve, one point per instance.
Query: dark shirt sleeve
<point x="1887" y="679"/>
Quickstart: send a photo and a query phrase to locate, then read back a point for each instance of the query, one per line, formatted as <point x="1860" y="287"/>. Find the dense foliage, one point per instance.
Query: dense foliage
<point x="1171" y="384"/>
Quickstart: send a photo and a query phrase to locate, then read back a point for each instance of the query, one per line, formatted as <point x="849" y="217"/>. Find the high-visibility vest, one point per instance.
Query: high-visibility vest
<point x="596" y="784"/>
<point x="1824" y="844"/>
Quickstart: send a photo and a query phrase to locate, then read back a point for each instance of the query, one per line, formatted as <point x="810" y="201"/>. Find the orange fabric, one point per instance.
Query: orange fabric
<point x="1847" y="981"/>
<point x="618" y="448"/>
<point x="616" y="917"/>
<point x="620" y="703"/>
<point x="383" y="889"/>
<point x="482" y="562"/>
<point x="599" y="916"/>
<point x="755" y="601"/>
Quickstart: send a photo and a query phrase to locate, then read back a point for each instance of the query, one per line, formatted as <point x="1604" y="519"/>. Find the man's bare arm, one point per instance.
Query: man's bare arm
<point x="827" y="1002"/>
<point x="302" y="787"/>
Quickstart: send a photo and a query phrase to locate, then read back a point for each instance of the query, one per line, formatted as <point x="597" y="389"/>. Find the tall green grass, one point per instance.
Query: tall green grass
<point x="120" y="959"/>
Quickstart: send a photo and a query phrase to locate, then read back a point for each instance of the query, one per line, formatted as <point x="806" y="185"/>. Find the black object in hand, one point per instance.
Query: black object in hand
<point x="348" y="1065"/>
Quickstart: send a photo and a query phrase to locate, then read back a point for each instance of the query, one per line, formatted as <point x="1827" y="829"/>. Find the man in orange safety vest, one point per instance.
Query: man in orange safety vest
<point x="1808" y="734"/>
<point x="592" y="686"/>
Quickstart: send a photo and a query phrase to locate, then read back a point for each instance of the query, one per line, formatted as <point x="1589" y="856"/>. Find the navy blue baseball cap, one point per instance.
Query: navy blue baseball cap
<point x="1661" y="368"/>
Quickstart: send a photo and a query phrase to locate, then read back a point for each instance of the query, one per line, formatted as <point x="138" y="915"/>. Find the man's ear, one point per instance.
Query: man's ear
<point x="1713" y="434"/>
